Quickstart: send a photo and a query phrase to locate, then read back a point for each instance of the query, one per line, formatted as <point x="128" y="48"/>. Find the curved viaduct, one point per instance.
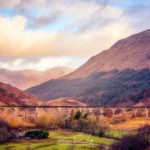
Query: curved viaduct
<point x="95" y="110"/>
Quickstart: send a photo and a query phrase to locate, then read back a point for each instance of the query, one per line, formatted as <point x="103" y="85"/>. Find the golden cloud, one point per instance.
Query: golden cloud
<point x="17" y="42"/>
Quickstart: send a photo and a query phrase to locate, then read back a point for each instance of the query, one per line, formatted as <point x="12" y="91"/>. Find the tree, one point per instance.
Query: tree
<point x="4" y="128"/>
<point x="78" y="115"/>
<point x="37" y="134"/>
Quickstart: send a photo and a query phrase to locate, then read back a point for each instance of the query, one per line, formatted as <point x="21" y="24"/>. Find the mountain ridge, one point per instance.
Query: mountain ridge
<point x="24" y="79"/>
<point x="92" y="65"/>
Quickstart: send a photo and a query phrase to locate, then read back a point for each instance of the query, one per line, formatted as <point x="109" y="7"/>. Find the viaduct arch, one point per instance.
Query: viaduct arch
<point x="33" y="111"/>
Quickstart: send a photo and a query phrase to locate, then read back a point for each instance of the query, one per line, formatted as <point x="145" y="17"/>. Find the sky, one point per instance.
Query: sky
<point x="42" y="34"/>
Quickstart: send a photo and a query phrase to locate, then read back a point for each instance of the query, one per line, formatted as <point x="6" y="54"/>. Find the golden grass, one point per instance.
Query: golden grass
<point x="131" y="124"/>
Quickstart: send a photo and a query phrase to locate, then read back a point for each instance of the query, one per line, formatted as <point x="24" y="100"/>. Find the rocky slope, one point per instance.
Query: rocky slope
<point x="119" y="75"/>
<point x="26" y="78"/>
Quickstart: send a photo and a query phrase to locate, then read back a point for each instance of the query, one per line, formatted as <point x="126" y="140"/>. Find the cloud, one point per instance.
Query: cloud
<point x="46" y="29"/>
<point x="45" y="12"/>
<point x="8" y="3"/>
<point x="42" y="63"/>
<point x="17" y="42"/>
<point x="22" y="3"/>
<point x="44" y="20"/>
<point x="90" y="27"/>
<point x="139" y="14"/>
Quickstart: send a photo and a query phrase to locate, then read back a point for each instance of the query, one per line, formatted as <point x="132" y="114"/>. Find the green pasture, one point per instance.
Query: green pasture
<point x="59" y="140"/>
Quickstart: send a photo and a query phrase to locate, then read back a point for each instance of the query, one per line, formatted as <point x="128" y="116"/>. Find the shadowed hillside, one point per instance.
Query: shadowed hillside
<point x="116" y="87"/>
<point x="12" y="96"/>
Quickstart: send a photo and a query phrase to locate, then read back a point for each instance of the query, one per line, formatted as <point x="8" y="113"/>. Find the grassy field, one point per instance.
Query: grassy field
<point x="65" y="140"/>
<point x="130" y="124"/>
<point x="47" y="146"/>
<point x="117" y="133"/>
<point x="79" y="137"/>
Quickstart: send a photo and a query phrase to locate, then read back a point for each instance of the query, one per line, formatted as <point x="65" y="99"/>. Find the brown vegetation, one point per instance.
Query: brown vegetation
<point x="140" y="141"/>
<point x="12" y="96"/>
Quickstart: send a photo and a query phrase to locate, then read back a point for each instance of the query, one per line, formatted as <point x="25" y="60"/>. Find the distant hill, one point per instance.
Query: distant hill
<point x="64" y="102"/>
<point x="24" y="79"/>
<point x="12" y="96"/>
<point x="119" y="75"/>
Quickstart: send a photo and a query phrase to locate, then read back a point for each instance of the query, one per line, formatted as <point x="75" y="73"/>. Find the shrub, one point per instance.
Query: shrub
<point x="79" y="125"/>
<point x="100" y="132"/>
<point x="4" y="124"/>
<point x="43" y="121"/>
<point x="139" y="141"/>
<point x="77" y="115"/>
<point x="85" y="115"/>
<point x="15" y="123"/>
<point x="37" y="134"/>
<point x="46" y="121"/>
<point x="89" y="125"/>
<point x="130" y="143"/>
<point x="93" y="124"/>
<point x="145" y="132"/>
<point x="74" y="125"/>
<point x="4" y="134"/>
<point x="83" y="122"/>
<point x="63" y="123"/>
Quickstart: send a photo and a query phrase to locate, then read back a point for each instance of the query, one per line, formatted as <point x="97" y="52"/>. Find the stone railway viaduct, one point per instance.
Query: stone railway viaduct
<point x="100" y="110"/>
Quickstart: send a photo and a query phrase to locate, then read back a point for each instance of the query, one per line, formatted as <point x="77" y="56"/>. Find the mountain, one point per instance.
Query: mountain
<point x="24" y="79"/>
<point x="10" y="95"/>
<point x="132" y="52"/>
<point x="119" y="75"/>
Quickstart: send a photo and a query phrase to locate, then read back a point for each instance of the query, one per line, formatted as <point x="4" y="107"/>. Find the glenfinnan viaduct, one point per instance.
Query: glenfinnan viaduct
<point x="95" y="110"/>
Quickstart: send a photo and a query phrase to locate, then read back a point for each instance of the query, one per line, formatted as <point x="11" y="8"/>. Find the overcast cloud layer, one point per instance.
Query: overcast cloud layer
<point x="40" y="34"/>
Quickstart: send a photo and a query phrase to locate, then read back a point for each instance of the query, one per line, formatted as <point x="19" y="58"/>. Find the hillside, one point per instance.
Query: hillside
<point x="132" y="52"/>
<point x="12" y="96"/>
<point x="24" y="79"/>
<point x="64" y="102"/>
<point x="119" y="75"/>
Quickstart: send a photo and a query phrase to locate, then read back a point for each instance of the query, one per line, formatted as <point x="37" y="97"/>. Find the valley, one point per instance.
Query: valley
<point x="99" y="106"/>
<point x="61" y="140"/>
<point x="123" y="80"/>
<point x="76" y="136"/>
